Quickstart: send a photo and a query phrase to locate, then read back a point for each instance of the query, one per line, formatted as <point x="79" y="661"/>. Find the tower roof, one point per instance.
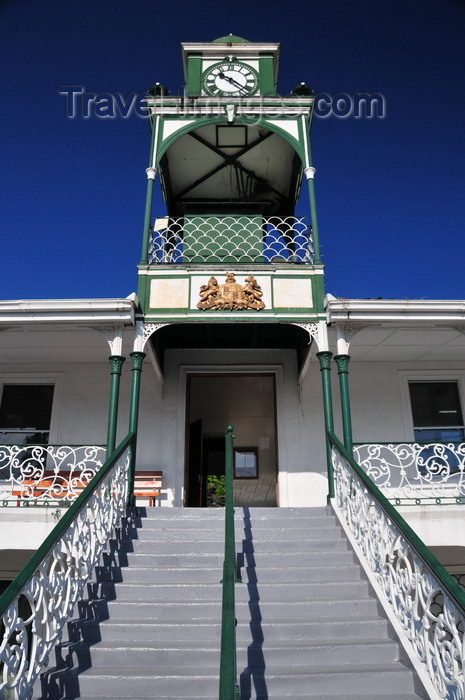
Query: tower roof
<point x="230" y="39"/>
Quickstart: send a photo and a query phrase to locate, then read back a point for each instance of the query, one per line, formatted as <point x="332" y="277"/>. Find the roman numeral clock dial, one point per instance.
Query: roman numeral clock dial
<point x="230" y="78"/>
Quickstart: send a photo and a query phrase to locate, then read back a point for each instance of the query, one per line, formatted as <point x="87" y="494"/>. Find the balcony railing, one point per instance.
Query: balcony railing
<point x="35" y="475"/>
<point x="230" y="239"/>
<point x="37" y="605"/>
<point x="415" y="473"/>
<point x="423" y="602"/>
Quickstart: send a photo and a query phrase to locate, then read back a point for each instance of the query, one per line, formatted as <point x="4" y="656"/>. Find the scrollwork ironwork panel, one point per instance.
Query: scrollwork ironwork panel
<point x="416" y="473"/>
<point x="40" y="474"/>
<point x="33" y="622"/>
<point x="431" y="620"/>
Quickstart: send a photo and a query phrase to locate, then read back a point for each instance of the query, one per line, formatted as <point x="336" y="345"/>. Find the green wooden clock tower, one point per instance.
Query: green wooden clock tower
<point x="231" y="156"/>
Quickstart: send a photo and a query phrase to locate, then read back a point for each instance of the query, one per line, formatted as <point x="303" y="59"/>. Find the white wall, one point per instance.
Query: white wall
<point x="301" y="445"/>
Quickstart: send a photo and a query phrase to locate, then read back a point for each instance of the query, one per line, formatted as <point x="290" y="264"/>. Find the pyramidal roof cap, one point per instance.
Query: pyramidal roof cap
<point x="230" y="39"/>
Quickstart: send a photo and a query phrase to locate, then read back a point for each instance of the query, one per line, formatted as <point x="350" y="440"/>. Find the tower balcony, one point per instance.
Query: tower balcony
<point x="228" y="239"/>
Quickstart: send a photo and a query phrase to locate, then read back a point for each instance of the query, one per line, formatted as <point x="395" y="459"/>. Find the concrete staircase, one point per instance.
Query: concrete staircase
<point x="307" y="624"/>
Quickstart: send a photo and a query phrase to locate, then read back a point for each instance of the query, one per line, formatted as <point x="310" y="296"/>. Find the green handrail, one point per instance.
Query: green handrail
<point x="35" y="561"/>
<point x="451" y="587"/>
<point x="229" y="690"/>
<point x="15" y="589"/>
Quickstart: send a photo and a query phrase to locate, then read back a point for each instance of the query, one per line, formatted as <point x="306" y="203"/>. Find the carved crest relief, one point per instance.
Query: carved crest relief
<point x="231" y="295"/>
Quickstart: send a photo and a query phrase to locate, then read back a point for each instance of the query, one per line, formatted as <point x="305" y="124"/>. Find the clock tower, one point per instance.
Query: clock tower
<point x="230" y="264"/>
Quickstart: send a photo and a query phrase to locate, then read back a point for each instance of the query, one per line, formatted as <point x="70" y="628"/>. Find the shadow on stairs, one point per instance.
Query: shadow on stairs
<point x="309" y="626"/>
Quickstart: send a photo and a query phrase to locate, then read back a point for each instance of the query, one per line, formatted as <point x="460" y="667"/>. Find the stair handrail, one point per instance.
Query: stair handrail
<point x="422" y="600"/>
<point x="53" y="580"/>
<point x="229" y="690"/>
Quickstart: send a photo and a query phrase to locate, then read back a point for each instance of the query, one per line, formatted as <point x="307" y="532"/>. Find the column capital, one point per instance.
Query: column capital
<point x="137" y="359"/>
<point x="324" y="358"/>
<point x="116" y="363"/>
<point x="342" y="362"/>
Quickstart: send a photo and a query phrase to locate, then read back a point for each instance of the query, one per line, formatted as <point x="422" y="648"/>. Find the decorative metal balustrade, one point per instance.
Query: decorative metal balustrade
<point x="35" y="475"/>
<point x="424" y="603"/>
<point x="230" y="239"/>
<point x="416" y="473"/>
<point x="36" y="606"/>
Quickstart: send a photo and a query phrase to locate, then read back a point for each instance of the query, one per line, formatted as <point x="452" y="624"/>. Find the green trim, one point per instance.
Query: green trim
<point x="324" y="358"/>
<point x="267" y="86"/>
<point x="451" y="587"/>
<point x="198" y="122"/>
<point x="15" y="588"/>
<point x="194" y="75"/>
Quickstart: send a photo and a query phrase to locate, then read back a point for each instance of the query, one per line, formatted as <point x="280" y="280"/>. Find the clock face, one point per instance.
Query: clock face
<point x="230" y="78"/>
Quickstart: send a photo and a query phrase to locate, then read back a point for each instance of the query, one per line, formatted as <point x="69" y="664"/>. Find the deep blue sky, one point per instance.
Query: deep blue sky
<point x="390" y="192"/>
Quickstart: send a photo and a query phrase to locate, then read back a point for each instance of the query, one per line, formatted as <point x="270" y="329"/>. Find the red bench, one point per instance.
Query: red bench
<point x="146" y="485"/>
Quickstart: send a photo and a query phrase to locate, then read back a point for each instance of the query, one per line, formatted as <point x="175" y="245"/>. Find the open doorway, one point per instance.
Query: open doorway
<point x="246" y="401"/>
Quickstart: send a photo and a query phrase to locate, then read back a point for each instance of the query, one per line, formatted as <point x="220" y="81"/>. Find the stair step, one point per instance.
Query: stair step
<point x="311" y="610"/>
<point x="158" y="657"/>
<point x="339" y="683"/>
<point x="186" y="683"/>
<point x="299" y="658"/>
<point x="166" y="612"/>
<point x="295" y="574"/>
<point x="174" y="575"/>
<point x="117" y="682"/>
<point x="267" y="592"/>
<point x="293" y="632"/>
<point x="307" y="624"/>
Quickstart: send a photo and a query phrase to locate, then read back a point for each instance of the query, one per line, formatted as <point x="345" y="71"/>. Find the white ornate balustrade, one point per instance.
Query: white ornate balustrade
<point x="230" y="239"/>
<point x="40" y="474"/>
<point x="425" y="605"/>
<point x="37" y="605"/>
<point x="416" y="473"/>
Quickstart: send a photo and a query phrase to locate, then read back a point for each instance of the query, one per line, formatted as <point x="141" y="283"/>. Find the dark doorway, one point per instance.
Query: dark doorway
<point x="206" y="458"/>
<point x="246" y="401"/>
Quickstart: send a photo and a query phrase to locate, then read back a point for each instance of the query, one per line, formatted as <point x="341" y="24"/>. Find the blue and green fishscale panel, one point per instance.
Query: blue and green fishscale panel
<point x="221" y="239"/>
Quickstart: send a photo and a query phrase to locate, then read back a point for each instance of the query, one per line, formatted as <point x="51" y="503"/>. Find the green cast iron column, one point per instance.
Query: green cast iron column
<point x="148" y="216"/>
<point x="324" y="358"/>
<point x="309" y="171"/>
<point x="342" y="362"/>
<point x="151" y="172"/>
<point x="137" y="359"/>
<point x="116" y="362"/>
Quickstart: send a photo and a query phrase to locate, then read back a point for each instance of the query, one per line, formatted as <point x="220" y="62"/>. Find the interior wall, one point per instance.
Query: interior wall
<point x="248" y="403"/>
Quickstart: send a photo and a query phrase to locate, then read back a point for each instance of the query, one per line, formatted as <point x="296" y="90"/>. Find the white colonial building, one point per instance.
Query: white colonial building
<point x="231" y="325"/>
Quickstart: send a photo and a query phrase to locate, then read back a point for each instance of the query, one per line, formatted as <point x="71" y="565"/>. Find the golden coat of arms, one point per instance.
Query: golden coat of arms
<point x="231" y="295"/>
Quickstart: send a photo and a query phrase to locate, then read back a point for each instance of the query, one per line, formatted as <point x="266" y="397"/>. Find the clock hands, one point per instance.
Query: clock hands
<point x="230" y="80"/>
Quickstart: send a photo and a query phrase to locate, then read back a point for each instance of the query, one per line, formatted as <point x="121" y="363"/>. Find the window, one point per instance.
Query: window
<point x="245" y="463"/>
<point x="25" y="413"/>
<point x="436" y="411"/>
